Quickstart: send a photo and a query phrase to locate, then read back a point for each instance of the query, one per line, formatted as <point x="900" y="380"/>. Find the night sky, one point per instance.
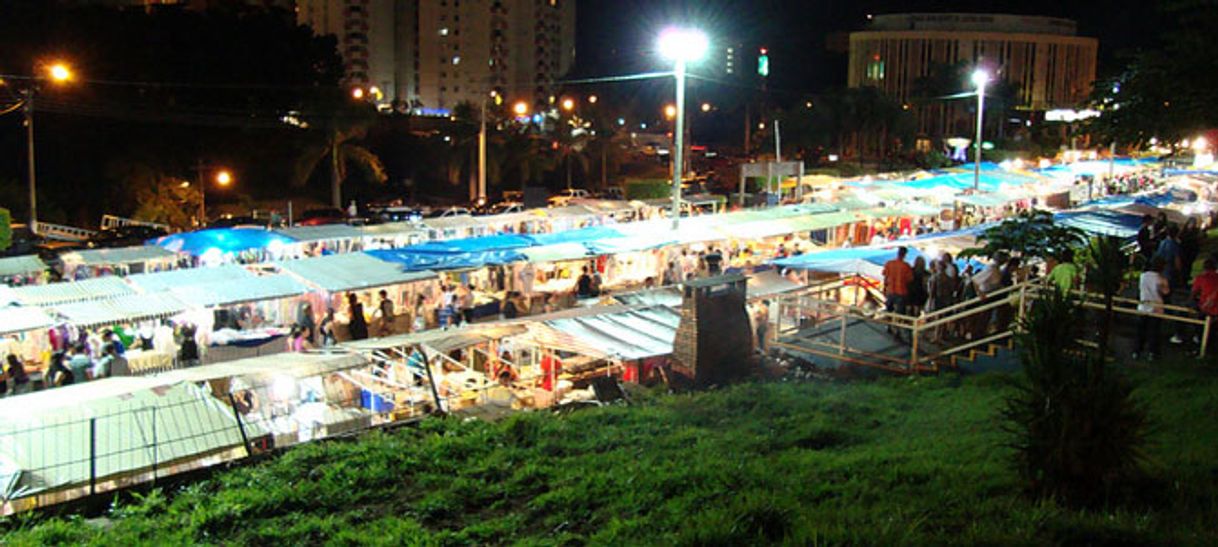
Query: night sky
<point x="616" y="36"/>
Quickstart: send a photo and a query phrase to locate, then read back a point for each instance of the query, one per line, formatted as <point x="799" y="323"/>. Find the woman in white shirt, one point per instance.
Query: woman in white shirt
<point x="1152" y="287"/>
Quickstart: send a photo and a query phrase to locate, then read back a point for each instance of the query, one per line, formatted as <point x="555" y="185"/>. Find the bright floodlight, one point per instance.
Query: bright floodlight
<point x="679" y="44"/>
<point x="1200" y="144"/>
<point x="60" y="72"/>
<point x="980" y="78"/>
<point x="224" y="178"/>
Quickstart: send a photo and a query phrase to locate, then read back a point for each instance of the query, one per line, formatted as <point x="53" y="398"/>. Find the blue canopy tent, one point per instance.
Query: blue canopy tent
<point x="582" y="235"/>
<point x="221" y="240"/>
<point x="868" y="261"/>
<point x="1102" y="222"/>
<point x="413" y="261"/>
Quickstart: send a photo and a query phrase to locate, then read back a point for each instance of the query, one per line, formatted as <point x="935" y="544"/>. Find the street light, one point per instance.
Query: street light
<point x="706" y="107"/>
<point x="980" y="79"/>
<point x="55" y="72"/>
<point x="670" y="111"/>
<point x="357" y="93"/>
<point x="592" y="99"/>
<point x="521" y="108"/>
<point x="568" y="104"/>
<point x="681" y="46"/>
<point x="223" y="177"/>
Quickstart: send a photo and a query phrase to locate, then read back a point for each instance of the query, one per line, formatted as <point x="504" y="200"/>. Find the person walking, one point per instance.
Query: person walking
<point x="16" y="372"/>
<point x="326" y="329"/>
<point x="897" y="275"/>
<point x="385" y="310"/>
<point x="918" y="291"/>
<point x="357" y="324"/>
<point x="1152" y="288"/>
<point x="1205" y="294"/>
<point x="1064" y="275"/>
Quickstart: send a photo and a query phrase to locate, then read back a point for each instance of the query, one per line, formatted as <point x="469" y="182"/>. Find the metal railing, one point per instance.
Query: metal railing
<point x="110" y="222"/>
<point x="936" y="337"/>
<point x="61" y="232"/>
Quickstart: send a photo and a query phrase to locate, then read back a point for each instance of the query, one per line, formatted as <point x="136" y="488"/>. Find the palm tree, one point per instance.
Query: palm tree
<point x="335" y="126"/>
<point x="525" y="156"/>
<point x="569" y="150"/>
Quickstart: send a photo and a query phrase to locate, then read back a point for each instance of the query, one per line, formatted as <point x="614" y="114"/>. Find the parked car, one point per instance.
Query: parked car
<point x="449" y="212"/>
<point x="396" y="213"/>
<point x="230" y="221"/>
<point x="612" y="192"/>
<point x="124" y="236"/>
<point x="505" y="207"/>
<point x="567" y="195"/>
<point x="319" y="217"/>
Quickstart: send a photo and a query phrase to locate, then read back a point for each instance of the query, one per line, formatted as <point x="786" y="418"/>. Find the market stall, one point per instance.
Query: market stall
<point x="120" y="261"/>
<point x="99" y="436"/>
<point x="142" y="319"/>
<point x="296" y="397"/>
<point x="23" y="332"/>
<point x="317" y="240"/>
<point x="22" y="270"/>
<point x="392" y="235"/>
<point x="334" y="277"/>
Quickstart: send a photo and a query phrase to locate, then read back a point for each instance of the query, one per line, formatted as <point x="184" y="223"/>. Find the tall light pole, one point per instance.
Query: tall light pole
<point x="223" y="178"/>
<point x="680" y="46"/>
<point x="980" y="79"/>
<point x="59" y="73"/>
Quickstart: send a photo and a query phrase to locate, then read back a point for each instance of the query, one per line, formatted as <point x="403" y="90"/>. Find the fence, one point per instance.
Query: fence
<point x="933" y="338"/>
<point x="110" y="222"/>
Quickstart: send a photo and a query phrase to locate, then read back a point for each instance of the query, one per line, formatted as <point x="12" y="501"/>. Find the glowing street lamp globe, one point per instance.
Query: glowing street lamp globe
<point x="60" y="72"/>
<point x="980" y="78"/>
<point x="680" y="44"/>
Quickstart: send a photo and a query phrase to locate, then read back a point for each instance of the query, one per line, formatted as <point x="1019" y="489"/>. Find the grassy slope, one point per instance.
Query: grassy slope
<point x="889" y="462"/>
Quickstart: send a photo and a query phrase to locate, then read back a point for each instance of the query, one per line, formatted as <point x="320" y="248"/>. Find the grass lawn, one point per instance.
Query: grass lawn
<point x="894" y="461"/>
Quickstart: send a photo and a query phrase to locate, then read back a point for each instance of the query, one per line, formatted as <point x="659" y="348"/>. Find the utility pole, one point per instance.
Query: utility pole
<point x="29" y="145"/>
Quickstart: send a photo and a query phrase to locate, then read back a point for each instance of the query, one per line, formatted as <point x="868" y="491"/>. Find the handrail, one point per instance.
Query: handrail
<point x="109" y="222"/>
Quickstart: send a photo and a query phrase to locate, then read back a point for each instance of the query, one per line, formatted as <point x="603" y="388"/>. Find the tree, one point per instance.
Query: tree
<point x="335" y="128"/>
<point x="160" y="196"/>
<point x="1107" y="265"/>
<point x="1077" y="432"/>
<point x="1029" y="234"/>
<point x="6" y="229"/>
<point x="570" y="150"/>
<point x="1164" y="93"/>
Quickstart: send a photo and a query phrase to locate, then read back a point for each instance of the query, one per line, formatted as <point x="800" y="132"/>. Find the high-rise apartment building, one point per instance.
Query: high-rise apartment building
<point x="430" y="55"/>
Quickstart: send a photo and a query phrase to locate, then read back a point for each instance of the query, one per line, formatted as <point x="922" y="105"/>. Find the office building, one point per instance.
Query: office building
<point x="1042" y="58"/>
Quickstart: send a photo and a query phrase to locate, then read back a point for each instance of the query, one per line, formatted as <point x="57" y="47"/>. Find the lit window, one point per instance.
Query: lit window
<point x="457" y="60"/>
<point x="875" y="70"/>
<point x="444" y="31"/>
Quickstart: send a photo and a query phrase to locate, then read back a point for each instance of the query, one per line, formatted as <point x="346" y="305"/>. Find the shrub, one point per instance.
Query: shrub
<point x="6" y="228"/>
<point x="648" y="189"/>
<point x="1077" y="431"/>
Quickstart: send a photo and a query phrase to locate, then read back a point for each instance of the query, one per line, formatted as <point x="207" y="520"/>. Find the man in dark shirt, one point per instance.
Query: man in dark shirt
<point x="1146" y="241"/>
<point x="583" y="287"/>
<point x="714" y="262"/>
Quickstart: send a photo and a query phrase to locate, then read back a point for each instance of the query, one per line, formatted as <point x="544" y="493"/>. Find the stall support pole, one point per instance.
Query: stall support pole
<point x="92" y="456"/>
<point x="841" y="340"/>
<point x="154" y="446"/>
<point x="245" y="440"/>
<point x="431" y="381"/>
<point x="1205" y="337"/>
<point x="913" y="347"/>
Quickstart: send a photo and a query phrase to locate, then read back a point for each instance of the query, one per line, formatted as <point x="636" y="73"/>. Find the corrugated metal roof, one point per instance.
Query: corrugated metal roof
<point x="72" y="291"/>
<point x="14" y="319"/>
<point x="628" y="335"/>
<point x="188" y="422"/>
<point x="118" y="255"/>
<point x="187" y="277"/>
<point x="320" y="233"/>
<point x="350" y="271"/>
<point x="264" y="287"/>
<point x="21" y="265"/>
<point x="297" y="365"/>
<point x="555" y="253"/>
<point x="120" y="309"/>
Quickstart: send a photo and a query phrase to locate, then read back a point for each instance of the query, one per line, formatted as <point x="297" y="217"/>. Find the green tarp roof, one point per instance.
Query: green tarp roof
<point x="21" y="265"/>
<point x="72" y="291"/>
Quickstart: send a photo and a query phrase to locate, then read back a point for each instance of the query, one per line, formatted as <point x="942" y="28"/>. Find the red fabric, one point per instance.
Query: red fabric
<point x="551" y="366"/>
<point x="1205" y="290"/>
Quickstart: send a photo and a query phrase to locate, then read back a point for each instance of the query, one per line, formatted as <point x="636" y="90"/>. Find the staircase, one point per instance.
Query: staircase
<point x="995" y="357"/>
